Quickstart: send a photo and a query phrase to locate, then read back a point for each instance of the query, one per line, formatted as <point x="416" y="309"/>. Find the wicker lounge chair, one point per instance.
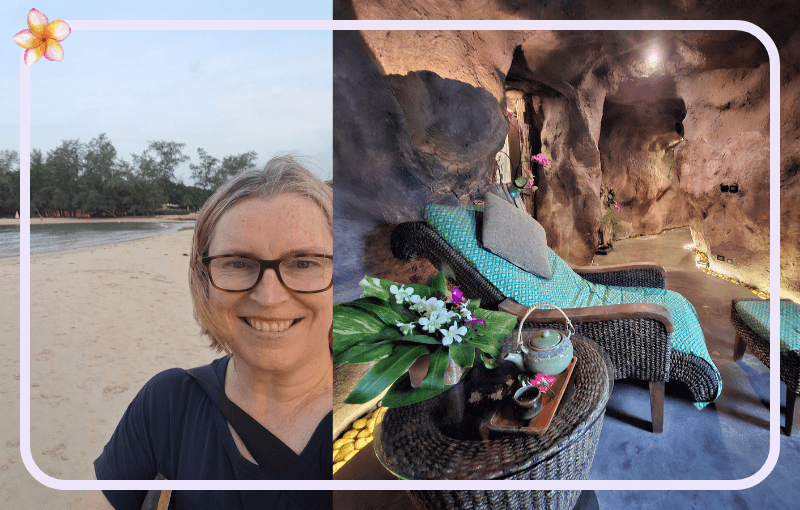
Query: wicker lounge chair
<point x="750" y="317"/>
<point x="637" y="336"/>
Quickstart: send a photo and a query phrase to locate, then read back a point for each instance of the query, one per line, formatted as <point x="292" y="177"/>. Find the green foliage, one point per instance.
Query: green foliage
<point x="669" y="160"/>
<point x="368" y="329"/>
<point x="91" y="179"/>
<point x="9" y="183"/>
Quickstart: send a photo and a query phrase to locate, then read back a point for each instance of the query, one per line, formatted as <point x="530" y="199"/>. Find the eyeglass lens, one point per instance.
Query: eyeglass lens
<point x="307" y="273"/>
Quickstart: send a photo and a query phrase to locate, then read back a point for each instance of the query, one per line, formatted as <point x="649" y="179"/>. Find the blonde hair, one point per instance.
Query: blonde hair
<point x="280" y="175"/>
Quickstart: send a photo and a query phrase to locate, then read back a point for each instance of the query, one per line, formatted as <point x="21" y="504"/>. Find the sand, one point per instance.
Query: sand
<point x="167" y="218"/>
<point x="104" y="321"/>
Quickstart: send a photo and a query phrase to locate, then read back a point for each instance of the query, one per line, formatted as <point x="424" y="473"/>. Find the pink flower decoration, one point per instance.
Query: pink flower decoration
<point x="456" y="297"/>
<point x="42" y="38"/>
<point x="541" y="160"/>
<point x="543" y="382"/>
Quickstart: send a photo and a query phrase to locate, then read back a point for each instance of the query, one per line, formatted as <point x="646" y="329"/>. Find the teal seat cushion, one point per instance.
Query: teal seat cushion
<point x="565" y="289"/>
<point x="755" y="313"/>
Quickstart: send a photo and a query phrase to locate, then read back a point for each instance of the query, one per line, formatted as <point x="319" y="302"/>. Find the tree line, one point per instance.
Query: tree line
<point x="88" y="179"/>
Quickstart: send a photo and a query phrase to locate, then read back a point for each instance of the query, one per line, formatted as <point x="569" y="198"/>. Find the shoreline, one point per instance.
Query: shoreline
<point x="168" y="218"/>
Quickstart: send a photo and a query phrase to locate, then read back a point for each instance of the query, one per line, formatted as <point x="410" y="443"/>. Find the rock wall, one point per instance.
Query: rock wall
<point x="419" y="119"/>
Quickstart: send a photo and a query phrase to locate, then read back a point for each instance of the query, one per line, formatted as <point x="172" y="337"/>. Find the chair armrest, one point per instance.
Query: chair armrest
<point x="636" y="274"/>
<point x="593" y="313"/>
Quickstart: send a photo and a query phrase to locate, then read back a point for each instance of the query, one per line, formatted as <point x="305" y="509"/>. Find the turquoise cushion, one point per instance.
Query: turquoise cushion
<point x="755" y="313"/>
<point x="566" y="289"/>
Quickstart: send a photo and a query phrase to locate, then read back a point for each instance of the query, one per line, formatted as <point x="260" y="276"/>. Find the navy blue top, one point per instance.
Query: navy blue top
<point x="172" y="427"/>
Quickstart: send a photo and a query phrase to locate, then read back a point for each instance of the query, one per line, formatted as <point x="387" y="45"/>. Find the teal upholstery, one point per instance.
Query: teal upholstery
<point x="565" y="289"/>
<point x="755" y="313"/>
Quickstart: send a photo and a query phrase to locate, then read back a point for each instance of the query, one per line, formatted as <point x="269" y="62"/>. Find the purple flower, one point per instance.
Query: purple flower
<point x="456" y="297"/>
<point x="473" y="322"/>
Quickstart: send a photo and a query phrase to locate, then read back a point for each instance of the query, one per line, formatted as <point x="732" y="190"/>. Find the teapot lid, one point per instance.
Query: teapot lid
<point x="545" y="339"/>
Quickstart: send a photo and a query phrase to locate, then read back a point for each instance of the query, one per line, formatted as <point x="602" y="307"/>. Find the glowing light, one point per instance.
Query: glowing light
<point x="653" y="57"/>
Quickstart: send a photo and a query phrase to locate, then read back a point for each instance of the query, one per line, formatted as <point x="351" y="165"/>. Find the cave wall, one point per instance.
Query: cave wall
<point x="418" y="119"/>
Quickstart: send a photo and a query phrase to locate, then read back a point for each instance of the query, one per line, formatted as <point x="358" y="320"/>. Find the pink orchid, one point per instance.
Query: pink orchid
<point x="42" y="38"/>
<point x="456" y="297"/>
<point x="541" y="160"/>
<point x="543" y="382"/>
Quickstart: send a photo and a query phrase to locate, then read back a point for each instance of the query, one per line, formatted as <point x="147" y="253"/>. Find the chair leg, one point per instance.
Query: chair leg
<point x="792" y="413"/>
<point x="739" y="347"/>
<point x="657" y="405"/>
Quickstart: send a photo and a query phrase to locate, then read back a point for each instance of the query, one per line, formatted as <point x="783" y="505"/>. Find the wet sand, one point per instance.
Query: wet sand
<point x="104" y="320"/>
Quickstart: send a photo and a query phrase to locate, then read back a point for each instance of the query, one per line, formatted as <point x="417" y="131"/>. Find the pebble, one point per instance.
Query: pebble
<point x="359" y="436"/>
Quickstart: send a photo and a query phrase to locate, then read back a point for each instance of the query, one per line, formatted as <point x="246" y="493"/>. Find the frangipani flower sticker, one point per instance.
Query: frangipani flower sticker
<point x="42" y="38"/>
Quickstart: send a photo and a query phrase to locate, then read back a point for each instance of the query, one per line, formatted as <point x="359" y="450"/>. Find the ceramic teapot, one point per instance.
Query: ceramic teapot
<point x="547" y="351"/>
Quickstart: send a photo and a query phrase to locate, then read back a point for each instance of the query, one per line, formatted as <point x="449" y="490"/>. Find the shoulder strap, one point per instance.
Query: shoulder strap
<point x="269" y="451"/>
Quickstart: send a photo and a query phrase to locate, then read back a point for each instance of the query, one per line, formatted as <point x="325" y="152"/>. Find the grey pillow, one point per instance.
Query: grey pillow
<point x="512" y="234"/>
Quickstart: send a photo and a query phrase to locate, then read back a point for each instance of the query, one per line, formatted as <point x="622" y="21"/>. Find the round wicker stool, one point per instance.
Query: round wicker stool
<point x="421" y="441"/>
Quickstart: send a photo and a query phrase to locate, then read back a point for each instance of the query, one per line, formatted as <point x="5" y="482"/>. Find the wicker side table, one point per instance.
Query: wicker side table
<point x="437" y="438"/>
<point x="747" y="337"/>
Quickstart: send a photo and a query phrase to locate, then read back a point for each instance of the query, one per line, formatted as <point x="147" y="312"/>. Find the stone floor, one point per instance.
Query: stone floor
<point x="728" y="440"/>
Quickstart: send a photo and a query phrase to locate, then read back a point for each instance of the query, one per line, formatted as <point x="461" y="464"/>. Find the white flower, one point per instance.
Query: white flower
<point x="454" y="333"/>
<point x="402" y="294"/>
<point x="465" y="314"/>
<point x="417" y="303"/>
<point x="407" y="329"/>
<point x="431" y="323"/>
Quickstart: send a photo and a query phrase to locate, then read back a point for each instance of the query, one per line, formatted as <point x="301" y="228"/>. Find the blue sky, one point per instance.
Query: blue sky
<point x="228" y="92"/>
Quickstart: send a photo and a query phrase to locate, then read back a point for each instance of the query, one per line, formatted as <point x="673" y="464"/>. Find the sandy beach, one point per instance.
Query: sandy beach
<point x="104" y="321"/>
<point x="121" y="219"/>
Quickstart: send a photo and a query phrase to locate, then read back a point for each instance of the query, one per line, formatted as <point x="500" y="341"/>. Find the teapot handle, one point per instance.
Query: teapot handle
<point x="570" y="327"/>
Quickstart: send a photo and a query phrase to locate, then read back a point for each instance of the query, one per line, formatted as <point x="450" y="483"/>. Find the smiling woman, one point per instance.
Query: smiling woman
<point x="260" y="275"/>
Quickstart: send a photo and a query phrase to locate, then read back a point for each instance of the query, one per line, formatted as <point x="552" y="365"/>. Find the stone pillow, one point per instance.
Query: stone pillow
<point x="512" y="234"/>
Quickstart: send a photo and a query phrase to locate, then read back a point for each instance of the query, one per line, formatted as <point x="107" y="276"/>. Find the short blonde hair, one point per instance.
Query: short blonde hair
<point x="280" y="175"/>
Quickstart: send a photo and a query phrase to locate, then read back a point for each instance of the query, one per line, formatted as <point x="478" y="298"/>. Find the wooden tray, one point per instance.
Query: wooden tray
<point x="503" y="420"/>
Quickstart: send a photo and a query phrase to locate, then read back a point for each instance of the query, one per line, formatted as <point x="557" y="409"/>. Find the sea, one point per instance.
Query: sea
<point x="72" y="236"/>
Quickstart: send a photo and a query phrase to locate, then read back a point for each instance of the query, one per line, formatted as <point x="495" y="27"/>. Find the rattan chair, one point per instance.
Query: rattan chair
<point x="636" y="336"/>
<point x="789" y="369"/>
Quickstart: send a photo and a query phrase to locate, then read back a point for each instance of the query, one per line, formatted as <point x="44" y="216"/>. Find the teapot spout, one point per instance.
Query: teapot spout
<point x="515" y="358"/>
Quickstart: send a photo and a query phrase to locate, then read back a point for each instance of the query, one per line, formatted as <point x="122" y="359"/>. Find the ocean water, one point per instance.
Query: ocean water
<point x="73" y="236"/>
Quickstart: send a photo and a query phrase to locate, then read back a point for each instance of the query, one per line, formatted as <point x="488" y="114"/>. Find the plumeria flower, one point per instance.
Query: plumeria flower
<point x="402" y="294"/>
<point x="42" y="38"/>
<point x="454" y="333"/>
<point x="406" y="329"/>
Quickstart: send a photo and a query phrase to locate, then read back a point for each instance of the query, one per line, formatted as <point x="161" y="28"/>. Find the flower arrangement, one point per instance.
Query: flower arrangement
<point x="395" y="324"/>
<point x="524" y="183"/>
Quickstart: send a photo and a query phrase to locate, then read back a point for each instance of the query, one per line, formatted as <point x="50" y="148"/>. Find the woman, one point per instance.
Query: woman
<point x="260" y="277"/>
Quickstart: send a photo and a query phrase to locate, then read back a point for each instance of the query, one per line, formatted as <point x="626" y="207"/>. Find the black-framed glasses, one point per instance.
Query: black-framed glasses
<point x="301" y="272"/>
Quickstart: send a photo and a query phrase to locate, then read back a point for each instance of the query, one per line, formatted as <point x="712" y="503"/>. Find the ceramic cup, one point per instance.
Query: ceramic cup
<point x="527" y="402"/>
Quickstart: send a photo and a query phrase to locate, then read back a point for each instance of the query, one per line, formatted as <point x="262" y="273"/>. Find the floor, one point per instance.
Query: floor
<point x="728" y="440"/>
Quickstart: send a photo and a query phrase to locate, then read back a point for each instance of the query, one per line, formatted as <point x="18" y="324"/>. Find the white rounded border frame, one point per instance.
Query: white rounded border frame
<point x="527" y="25"/>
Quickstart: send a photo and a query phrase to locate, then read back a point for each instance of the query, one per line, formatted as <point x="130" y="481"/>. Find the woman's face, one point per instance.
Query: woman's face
<point x="270" y="229"/>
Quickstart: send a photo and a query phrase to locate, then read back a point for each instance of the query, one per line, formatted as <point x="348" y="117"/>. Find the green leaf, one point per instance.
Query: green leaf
<point x="436" y="368"/>
<point x="520" y="181"/>
<point x="365" y="353"/>
<point x="351" y="325"/>
<point x="463" y="354"/>
<point x="384" y="373"/>
<point x="381" y="309"/>
<point x="488" y="345"/>
<point x="438" y="284"/>
<point x="421" y="339"/>
<point x="402" y="393"/>
<point x="498" y="324"/>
